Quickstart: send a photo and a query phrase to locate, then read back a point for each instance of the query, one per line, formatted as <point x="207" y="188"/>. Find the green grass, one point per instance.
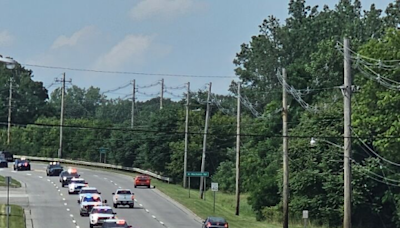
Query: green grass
<point x="224" y="206"/>
<point x="17" y="219"/>
<point x="14" y="183"/>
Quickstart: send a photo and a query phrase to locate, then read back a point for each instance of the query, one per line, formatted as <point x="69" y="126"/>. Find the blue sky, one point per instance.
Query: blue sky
<point x="190" y="37"/>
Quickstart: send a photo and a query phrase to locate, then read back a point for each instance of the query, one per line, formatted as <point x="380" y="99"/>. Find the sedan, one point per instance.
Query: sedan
<point x="215" y="222"/>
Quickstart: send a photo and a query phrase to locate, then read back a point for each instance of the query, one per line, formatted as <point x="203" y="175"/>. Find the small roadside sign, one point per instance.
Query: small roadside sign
<point x="197" y="174"/>
<point x="7" y="180"/>
<point x="305" y="214"/>
<point x="214" y="187"/>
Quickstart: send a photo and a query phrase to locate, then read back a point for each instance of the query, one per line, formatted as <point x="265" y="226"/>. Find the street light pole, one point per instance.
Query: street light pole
<point x="203" y="157"/>
<point x="238" y="152"/>
<point x="285" y="192"/>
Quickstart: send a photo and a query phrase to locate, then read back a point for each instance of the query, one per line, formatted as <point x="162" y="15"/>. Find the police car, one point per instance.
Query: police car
<point x="87" y="191"/>
<point x="67" y="175"/>
<point x="99" y="214"/>
<point x="76" y="184"/>
<point x="115" y="223"/>
<point x="87" y="202"/>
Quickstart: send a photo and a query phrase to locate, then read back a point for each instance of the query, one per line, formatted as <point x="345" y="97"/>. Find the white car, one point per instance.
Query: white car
<point x="112" y="223"/>
<point x="87" y="202"/>
<point x="76" y="184"/>
<point x="99" y="214"/>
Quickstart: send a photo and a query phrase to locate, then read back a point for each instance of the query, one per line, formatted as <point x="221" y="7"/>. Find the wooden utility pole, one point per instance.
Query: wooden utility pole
<point x="238" y="152"/>
<point x="346" y="90"/>
<point x="9" y="113"/>
<point x="162" y="93"/>
<point x="203" y="158"/>
<point x="62" y="116"/>
<point x="285" y="191"/>
<point x="186" y="135"/>
<point x="133" y="103"/>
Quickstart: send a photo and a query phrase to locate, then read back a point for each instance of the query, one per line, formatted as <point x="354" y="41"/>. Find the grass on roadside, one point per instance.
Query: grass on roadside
<point x="14" y="183"/>
<point x="17" y="219"/>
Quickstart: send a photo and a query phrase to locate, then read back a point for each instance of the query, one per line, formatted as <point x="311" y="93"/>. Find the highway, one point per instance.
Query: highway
<point x="52" y="206"/>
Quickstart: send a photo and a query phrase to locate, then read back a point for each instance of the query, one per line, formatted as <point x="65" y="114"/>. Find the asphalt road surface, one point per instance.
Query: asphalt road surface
<point x="52" y="206"/>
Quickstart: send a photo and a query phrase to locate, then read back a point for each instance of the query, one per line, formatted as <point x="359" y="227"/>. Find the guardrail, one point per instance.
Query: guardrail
<point x="96" y="164"/>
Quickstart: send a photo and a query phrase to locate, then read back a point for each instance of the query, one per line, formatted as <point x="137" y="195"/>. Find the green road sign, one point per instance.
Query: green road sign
<point x="197" y="174"/>
<point x="103" y="150"/>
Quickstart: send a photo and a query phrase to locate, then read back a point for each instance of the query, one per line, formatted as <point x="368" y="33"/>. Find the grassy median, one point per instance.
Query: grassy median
<point x="17" y="219"/>
<point x="14" y="183"/>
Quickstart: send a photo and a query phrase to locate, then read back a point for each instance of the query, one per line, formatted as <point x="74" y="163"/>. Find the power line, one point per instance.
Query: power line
<point x="128" y="72"/>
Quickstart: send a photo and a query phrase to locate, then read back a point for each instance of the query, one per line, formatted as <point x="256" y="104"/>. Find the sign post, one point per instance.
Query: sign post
<point x="191" y="174"/>
<point x="305" y="217"/>
<point x="8" y="209"/>
<point x="103" y="151"/>
<point x="214" y="188"/>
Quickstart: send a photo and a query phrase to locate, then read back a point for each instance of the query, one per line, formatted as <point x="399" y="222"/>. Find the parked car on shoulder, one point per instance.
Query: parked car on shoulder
<point x="21" y="164"/>
<point x="142" y="181"/>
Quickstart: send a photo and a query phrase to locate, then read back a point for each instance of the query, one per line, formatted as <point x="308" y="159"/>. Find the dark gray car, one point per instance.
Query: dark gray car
<point x="215" y="222"/>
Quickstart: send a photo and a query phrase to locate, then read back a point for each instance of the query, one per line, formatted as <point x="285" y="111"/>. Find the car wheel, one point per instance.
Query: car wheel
<point x="115" y="205"/>
<point x="90" y="225"/>
<point x="148" y="186"/>
<point x="131" y="206"/>
<point x="135" y="186"/>
<point x="62" y="185"/>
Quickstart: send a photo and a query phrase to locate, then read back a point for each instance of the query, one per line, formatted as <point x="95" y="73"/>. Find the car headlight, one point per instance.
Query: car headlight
<point x="64" y="178"/>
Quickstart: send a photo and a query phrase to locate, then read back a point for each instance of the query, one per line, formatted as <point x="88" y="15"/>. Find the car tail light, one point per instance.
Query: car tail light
<point x="26" y="164"/>
<point x="208" y="224"/>
<point x="133" y="197"/>
<point x="226" y="225"/>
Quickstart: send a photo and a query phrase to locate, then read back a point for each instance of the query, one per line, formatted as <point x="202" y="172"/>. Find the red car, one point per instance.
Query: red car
<point x="142" y="181"/>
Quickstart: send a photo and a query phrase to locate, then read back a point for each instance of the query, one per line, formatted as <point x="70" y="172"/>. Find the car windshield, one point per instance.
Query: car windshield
<point x="114" y="225"/>
<point x="143" y="178"/>
<point x="217" y="219"/>
<point x="84" y="191"/>
<point x="102" y="211"/>
<point x="91" y="199"/>
<point x="55" y="166"/>
<point x="67" y="174"/>
<point x="124" y="192"/>
<point x="78" y="181"/>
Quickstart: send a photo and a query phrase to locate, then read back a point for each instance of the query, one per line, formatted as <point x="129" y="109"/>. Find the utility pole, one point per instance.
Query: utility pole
<point x="238" y="153"/>
<point x="186" y="135"/>
<point x="285" y="191"/>
<point x="203" y="158"/>
<point x="9" y="113"/>
<point x="346" y="90"/>
<point x="133" y="103"/>
<point x="62" y="114"/>
<point x="162" y="93"/>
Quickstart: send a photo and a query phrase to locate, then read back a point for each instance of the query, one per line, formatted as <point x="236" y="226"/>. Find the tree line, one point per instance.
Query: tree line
<point x="308" y="45"/>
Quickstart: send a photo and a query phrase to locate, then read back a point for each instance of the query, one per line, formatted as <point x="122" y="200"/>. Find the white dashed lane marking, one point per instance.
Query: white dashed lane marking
<point x="141" y="205"/>
<point x="147" y="211"/>
<point x="68" y="209"/>
<point x="40" y="177"/>
<point x="154" y="217"/>
<point x="29" y="174"/>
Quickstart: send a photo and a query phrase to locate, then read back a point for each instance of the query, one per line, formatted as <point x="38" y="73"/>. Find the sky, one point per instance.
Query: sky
<point x="153" y="37"/>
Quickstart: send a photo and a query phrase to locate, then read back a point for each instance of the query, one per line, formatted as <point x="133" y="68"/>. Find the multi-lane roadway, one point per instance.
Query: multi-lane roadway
<point x="51" y="205"/>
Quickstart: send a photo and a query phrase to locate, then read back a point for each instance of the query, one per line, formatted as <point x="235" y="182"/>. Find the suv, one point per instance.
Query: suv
<point x="99" y="214"/>
<point x="76" y="184"/>
<point x="7" y="155"/>
<point x="67" y="175"/>
<point x="87" y="202"/>
<point x="115" y="223"/>
<point x="142" y="181"/>
<point x="54" y="169"/>
<point x="21" y="164"/>
<point x="123" y="197"/>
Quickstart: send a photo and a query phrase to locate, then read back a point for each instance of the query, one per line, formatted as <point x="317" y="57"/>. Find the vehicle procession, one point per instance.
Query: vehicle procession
<point x="90" y="201"/>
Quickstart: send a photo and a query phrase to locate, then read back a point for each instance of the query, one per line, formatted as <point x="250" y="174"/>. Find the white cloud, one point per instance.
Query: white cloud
<point x="6" y="39"/>
<point x="162" y="8"/>
<point x="78" y="36"/>
<point x="131" y="49"/>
